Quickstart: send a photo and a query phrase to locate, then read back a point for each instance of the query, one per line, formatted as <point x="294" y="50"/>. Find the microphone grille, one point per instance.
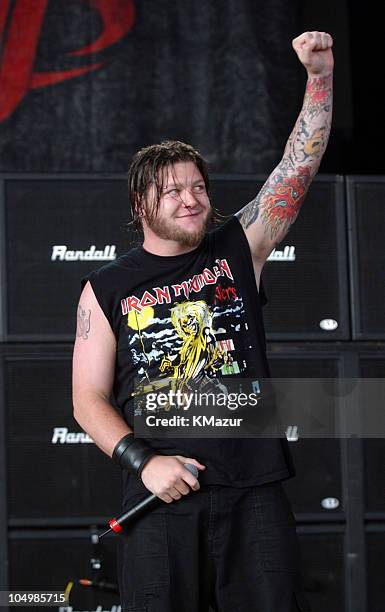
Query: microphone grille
<point x="192" y="468"/>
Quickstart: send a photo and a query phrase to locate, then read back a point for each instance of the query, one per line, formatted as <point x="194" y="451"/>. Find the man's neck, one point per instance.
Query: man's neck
<point x="164" y="248"/>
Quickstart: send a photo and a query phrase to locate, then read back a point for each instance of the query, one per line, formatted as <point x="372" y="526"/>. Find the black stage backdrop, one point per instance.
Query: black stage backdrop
<point x="85" y="83"/>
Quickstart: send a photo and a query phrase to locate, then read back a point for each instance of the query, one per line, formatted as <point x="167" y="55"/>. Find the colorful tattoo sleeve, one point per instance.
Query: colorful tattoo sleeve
<point x="278" y="203"/>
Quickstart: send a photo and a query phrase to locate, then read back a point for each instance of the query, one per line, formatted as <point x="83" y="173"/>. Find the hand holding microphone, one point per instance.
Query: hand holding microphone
<point x="165" y="476"/>
<point x="116" y="524"/>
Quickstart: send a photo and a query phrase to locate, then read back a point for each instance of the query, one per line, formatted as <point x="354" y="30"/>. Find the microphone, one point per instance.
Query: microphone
<point x="101" y="585"/>
<point x="116" y="524"/>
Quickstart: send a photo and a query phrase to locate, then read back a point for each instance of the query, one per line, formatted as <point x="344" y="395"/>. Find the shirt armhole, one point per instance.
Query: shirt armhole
<point x="100" y="297"/>
<point x="261" y="291"/>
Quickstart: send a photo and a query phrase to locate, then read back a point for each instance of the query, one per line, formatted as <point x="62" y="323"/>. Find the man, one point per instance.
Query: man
<point x="187" y="304"/>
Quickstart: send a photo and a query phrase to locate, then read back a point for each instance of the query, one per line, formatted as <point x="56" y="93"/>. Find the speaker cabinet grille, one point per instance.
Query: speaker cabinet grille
<point x="52" y="474"/>
<point x="374" y="448"/>
<point x="317" y="486"/>
<point x="375" y="550"/>
<point x="366" y="207"/>
<point x="323" y="571"/>
<point x="47" y="221"/>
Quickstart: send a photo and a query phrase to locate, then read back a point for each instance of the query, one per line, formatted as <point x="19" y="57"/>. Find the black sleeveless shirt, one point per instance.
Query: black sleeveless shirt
<point x="144" y="296"/>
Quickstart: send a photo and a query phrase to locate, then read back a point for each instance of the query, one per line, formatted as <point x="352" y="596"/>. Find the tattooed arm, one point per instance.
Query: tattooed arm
<point x="267" y="219"/>
<point x="93" y="375"/>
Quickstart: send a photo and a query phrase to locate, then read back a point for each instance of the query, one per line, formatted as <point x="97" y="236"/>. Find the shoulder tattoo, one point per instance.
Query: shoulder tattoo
<point x="83" y="323"/>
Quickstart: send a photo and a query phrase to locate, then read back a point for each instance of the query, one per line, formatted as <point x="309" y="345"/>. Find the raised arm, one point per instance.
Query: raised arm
<point x="268" y="217"/>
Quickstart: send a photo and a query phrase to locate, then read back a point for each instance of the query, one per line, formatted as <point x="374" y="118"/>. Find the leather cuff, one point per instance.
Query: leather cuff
<point x="121" y="447"/>
<point x="132" y="454"/>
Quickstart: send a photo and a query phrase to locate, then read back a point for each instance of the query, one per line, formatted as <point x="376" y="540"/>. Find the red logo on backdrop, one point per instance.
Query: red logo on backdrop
<point x="19" y="43"/>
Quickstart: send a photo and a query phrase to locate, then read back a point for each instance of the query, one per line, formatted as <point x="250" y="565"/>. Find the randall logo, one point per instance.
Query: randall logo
<point x="288" y="254"/>
<point x="60" y="252"/>
<point x="61" y="435"/>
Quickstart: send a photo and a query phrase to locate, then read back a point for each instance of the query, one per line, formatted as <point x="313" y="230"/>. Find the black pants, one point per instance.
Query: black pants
<point x="234" y="549"/>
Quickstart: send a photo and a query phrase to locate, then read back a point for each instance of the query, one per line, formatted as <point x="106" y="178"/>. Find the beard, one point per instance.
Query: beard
<point x="167" y="230"/>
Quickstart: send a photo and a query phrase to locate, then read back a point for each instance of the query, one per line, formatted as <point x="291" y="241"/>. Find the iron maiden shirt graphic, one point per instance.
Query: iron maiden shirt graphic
<point x="192" y="329"/>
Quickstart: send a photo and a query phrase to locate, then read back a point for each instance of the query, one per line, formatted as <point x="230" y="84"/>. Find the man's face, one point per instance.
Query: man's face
<point x="184" y="208"/>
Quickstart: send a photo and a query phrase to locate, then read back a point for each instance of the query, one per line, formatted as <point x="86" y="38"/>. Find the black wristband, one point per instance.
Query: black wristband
<point x="132" y="454"/>
<point x="121" y="447"/>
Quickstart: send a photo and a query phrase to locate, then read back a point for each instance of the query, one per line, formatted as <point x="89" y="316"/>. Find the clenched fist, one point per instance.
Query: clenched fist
<point x="314" y="50"/>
